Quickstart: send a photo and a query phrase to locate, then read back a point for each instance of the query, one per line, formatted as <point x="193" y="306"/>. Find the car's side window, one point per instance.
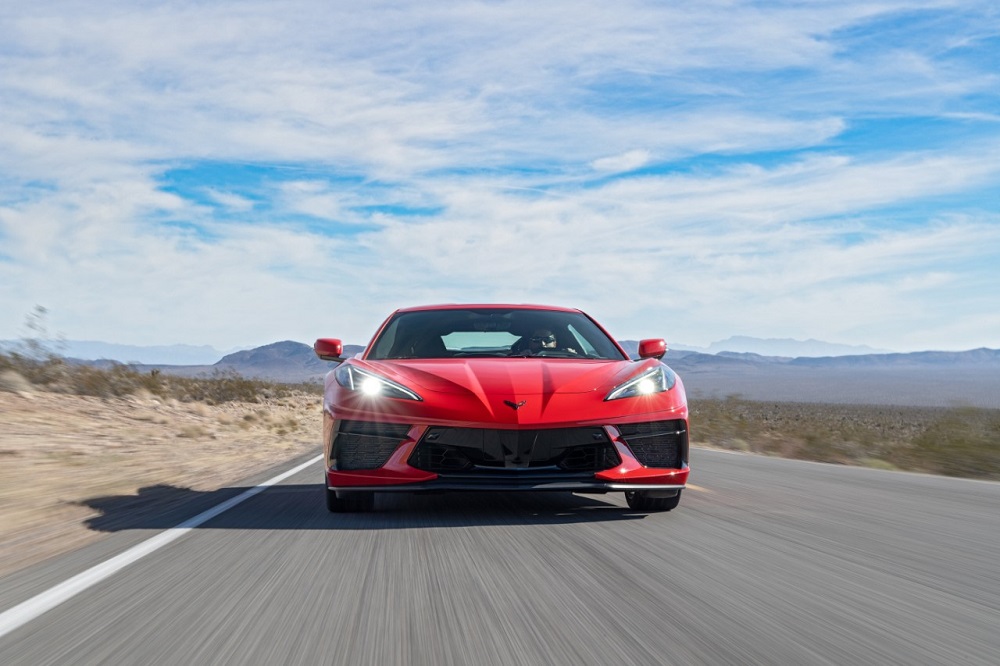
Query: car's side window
<point x="384" y="345"/>
<point x="581" y="342"/>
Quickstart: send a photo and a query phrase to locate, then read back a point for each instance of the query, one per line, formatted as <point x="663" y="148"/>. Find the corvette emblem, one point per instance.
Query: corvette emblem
<point x="514" y="405"/>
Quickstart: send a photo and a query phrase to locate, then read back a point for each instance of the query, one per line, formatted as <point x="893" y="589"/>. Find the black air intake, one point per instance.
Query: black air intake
<point x="657" y="443"/>
<point x="366" y="445"/>
<point x="443" y="450"/>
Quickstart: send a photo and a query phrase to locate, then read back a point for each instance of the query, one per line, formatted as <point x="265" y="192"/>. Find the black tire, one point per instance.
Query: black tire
<point x="639" y="500"/>
<point x="355" y="502"/>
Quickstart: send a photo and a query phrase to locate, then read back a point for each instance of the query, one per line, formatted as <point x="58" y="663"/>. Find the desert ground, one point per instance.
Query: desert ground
<point x="58" y="451"/>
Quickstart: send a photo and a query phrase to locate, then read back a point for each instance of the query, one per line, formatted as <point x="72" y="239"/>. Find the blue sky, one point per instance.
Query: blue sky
<point x="236" y="173"/>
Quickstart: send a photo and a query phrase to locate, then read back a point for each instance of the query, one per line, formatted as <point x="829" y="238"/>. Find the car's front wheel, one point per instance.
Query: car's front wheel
<point x="354" y="502"/>
<point x="640" y="500"/>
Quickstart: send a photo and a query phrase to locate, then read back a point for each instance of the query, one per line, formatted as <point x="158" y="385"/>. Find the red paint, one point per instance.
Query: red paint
<point x="329" y="349"/>
<point x="653" y="348"/>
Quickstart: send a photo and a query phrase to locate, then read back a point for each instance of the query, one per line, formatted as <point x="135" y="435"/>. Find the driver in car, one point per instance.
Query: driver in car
<point x="541" y="339"/>
<point x="544" y="340"/>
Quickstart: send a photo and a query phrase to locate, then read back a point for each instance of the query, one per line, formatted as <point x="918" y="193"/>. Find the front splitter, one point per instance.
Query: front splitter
<point x="521" y="486"/>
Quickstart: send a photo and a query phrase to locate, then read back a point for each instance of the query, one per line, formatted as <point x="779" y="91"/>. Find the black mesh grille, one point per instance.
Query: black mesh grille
<point x="587" y="458"/>
<point x="452" y="450"/>
<point x="439" y="459"/>
<point x="365" y="444"/>
<point x="657" y="443"/>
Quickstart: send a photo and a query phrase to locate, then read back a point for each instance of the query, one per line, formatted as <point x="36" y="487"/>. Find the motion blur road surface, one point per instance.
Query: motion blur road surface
<point x="766" y="561"/>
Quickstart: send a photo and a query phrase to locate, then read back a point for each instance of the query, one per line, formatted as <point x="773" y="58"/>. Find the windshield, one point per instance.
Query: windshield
<point x="492" y="332"/>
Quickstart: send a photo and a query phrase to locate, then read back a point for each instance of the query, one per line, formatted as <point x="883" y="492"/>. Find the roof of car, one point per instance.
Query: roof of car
<point x="487" y="306"/>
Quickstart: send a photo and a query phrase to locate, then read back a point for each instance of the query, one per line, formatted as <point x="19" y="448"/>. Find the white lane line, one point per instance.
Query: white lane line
<point x="28" y="610"/>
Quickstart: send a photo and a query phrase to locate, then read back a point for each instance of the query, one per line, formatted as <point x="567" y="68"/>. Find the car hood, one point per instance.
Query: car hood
<point x="508" y="376"/>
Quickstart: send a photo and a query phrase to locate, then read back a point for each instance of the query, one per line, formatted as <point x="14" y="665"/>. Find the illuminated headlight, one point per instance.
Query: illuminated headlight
<point x="656" y="380"/>
<point x="371" y="384"/>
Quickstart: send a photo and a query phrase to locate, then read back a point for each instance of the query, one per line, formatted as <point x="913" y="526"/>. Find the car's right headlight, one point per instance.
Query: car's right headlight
<point x="655" y="380"/>
<point x="372" y="385"/>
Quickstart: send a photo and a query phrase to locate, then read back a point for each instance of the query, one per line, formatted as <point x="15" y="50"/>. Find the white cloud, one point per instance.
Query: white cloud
<point x="484" y="151"/>
<point x="230" y="201"/>
<point x="633" y="159"/>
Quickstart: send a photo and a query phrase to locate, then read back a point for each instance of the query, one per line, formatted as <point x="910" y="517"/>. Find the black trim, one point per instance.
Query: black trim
<point x="525" y="485"/>
<point x="484" y="451"/>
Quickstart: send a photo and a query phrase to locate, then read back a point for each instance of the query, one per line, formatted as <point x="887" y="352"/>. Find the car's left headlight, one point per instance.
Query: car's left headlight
<point x="370" y="384"/>
<point x="655" y="380"/>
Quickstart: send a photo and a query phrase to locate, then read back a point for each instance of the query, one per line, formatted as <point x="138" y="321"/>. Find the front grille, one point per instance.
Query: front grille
<point x="657" y="443"/>
<point x="458" y="450"/>
<point x="366" y="444"/>
<point x="439" y="459"/>
<point x="590" y="458"/>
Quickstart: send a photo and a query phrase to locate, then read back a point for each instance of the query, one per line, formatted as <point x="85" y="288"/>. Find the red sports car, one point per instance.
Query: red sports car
<point x="502" y="398"/>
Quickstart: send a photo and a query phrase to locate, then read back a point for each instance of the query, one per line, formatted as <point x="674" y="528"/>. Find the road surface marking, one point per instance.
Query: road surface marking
<point x="28" y="610"/>
<point x="698" y="488"/>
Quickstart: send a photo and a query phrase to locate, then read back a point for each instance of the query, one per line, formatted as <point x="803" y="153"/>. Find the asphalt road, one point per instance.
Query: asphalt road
<point x="766" y="561"/>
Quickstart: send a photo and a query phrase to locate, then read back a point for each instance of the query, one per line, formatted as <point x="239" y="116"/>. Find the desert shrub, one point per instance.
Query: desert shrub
<point x="721" y="422"/>
<point x="965" y="442"/>
<point x="114" y="381"/>
<point x="118" y="380"/>
<point x="221" y="387"/>
<point x="961" y="442"/>
<point x="40" y="372"/>
<point x="227" y="386"/>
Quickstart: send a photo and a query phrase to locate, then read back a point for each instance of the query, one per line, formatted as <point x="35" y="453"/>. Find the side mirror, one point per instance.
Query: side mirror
<point x="329" y="349"/>
<point x="652" y="348"/>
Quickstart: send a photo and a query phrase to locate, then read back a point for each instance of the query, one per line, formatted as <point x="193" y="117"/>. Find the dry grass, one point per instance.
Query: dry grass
<point x="942" y="440"/>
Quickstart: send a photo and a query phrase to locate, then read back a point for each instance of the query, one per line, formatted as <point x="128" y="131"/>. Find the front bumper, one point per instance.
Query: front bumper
<point x="648" y="456"/>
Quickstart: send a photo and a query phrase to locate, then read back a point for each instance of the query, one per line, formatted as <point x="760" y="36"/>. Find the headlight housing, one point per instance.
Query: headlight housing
<point x="655" y="380"/>
<point x="370" y="384"/>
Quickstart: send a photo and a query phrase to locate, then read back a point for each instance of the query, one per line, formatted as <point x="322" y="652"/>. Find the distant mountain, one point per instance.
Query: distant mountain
<point x="286" y="360"/>
<point x="982" y="357"/>
<point x="768" y="347"/>
<point x="788" y="347"/>
<point x="281" y="361"/>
